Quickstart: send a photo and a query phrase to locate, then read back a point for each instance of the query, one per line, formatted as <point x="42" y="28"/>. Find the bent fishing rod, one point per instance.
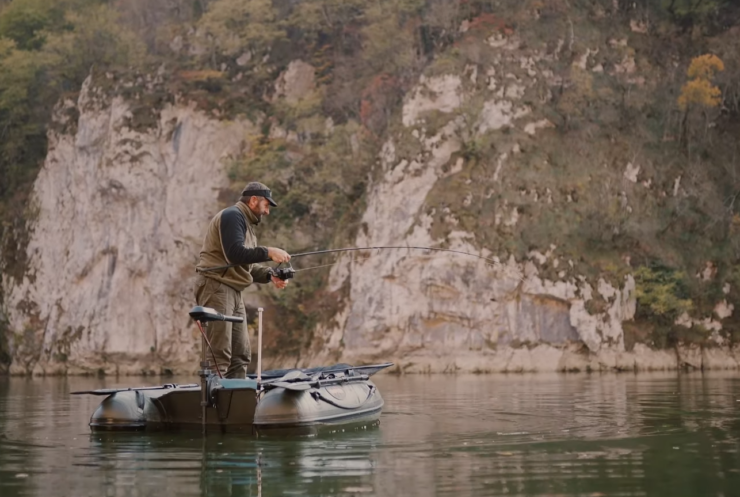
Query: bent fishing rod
<point x="288" y="272"/>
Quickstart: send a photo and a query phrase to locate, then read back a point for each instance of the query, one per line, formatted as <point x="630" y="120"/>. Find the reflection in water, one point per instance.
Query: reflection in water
<point x="667" y="434"/>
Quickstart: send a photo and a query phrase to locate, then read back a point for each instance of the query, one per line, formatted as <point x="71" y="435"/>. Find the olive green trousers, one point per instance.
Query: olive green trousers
<point x="229" y="341"/>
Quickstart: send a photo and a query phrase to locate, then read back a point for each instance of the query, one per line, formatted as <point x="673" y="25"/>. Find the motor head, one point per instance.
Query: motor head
<point x="205" y="314"/>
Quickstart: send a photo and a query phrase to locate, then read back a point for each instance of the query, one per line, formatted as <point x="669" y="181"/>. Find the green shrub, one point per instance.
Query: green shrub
<point x="662" y="293"/>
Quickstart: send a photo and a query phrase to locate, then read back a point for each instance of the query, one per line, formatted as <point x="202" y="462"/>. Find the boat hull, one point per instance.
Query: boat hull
<point x="350" y="406"/>
<point x="241" y="405"/>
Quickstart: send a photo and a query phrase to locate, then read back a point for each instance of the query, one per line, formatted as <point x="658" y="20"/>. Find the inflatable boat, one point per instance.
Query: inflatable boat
<point x="304" y="401"/>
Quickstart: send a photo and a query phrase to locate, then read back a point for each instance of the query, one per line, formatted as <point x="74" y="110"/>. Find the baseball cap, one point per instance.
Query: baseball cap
<point x="257" y="189"/>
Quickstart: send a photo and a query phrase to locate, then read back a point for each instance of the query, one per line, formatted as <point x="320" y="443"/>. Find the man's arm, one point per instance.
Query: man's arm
<point x="233" y="228"/>
<point x="260" y="273"/>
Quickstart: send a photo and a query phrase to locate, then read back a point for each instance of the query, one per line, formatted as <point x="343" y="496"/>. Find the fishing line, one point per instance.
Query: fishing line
<point x="489" y="262"/>
<point x="354" y="249"/>
<point x="316" y="267"/>
<point x="398" y="247"/>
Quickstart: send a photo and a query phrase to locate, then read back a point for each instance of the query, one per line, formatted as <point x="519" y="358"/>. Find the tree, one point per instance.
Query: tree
<point x="692" y="10"/>
<point x="24" y="22"/>
<point x="699" y="89"/>
<point x="47" y="48"/>
<point x="94" y="38"/>
<point x="699" y="92"/>
<point x="236" y="26"/>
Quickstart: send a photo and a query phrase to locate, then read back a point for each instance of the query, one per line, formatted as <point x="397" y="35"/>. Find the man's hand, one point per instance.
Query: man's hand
<point x="277" y="255"/>
<point x="280" y="284"/>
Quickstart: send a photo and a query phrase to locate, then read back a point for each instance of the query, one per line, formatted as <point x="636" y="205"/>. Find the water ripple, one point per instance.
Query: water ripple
<point x="668" y="434"/>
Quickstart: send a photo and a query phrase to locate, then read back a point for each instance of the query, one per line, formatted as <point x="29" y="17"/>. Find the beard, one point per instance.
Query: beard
<point x="257" y="213"/>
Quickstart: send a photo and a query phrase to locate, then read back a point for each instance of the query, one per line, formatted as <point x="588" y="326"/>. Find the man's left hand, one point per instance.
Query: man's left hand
<point x="280" y="284"/>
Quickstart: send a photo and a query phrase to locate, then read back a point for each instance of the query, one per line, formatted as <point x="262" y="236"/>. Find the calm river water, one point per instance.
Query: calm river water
<point x="667" y="434"/>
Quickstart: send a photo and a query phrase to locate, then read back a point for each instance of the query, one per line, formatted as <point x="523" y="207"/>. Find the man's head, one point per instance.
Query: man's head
<point x="258" y="198"/>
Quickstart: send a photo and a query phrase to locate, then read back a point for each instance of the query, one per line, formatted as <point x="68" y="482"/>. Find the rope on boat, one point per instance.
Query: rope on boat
<point x="370" y="393"/>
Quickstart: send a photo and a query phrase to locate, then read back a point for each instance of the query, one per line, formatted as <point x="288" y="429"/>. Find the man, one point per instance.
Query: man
<point x="230" y="239"/>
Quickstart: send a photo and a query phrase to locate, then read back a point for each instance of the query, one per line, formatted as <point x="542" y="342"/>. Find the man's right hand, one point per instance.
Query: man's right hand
<point x="277" y="255"/>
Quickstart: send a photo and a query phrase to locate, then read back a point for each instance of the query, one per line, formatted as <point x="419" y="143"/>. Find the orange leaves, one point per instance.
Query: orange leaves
<point x="489" y="22"/>
<point x="376" y="101"/>
<point x="705" y="66"/>
<point x="699" y="89"/>
<point x="485" y="21"/>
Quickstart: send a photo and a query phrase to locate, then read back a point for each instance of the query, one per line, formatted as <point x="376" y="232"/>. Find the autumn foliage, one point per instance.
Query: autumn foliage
<point x="699" y="89"/>
<point x="377" y="98"/>
<point x="488" y="22"/>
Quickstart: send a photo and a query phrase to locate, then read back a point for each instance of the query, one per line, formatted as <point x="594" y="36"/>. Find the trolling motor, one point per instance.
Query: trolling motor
<point x="205" y="314"/>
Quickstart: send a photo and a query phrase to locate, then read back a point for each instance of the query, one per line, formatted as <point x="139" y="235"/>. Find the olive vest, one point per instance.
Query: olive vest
<point x="212" y="255"/>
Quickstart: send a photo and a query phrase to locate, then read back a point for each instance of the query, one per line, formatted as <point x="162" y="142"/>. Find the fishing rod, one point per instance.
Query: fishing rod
<point x="287" y="272"/>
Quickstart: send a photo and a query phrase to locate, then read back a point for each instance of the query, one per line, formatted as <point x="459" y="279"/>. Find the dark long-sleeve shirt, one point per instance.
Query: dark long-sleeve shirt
<point x="230" y="239"/>
<point x="234" y="227"/>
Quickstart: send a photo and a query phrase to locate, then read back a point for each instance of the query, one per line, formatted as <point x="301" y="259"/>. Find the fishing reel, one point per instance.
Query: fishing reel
<point x="284" y="273"/>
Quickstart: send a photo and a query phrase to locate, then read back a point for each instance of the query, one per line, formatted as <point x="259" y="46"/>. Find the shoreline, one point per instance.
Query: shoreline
<point x="541" y="358"/>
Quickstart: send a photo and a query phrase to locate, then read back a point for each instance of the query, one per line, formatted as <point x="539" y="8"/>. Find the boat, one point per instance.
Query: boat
<point x="339" y="397"/>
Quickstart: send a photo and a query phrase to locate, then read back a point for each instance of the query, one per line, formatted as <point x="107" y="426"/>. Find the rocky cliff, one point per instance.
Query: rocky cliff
<point x="543" y="137"/>
<point x="433" y="312"/>
<point x="119" y="218"/>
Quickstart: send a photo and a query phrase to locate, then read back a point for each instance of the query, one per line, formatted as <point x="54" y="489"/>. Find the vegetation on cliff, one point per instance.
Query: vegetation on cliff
<point x="637" y="172"/>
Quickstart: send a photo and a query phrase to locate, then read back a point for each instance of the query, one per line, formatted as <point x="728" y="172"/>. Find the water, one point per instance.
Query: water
<point x="650" y="434"/>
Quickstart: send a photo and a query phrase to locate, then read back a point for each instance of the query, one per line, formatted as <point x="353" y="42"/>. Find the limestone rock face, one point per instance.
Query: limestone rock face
<point x="297" y="82"/>
<point x="120" y="214"/>
<point x="441" y="312"/>
<point x="120" y="219"/>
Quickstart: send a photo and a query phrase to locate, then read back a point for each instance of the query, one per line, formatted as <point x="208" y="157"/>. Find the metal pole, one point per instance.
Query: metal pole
<point x="205" y="371"/>
<point x="259" y="347"/>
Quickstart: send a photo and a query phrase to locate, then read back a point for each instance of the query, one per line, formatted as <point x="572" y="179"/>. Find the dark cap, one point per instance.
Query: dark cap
<point x="257" y="189"/>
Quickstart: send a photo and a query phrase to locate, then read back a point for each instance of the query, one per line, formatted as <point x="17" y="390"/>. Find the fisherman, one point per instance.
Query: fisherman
<point x="230" y="239"/>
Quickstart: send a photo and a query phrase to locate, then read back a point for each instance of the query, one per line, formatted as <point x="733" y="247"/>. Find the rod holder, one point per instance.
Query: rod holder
<point x="204" y="373"/>
<point x="259" y="345"/>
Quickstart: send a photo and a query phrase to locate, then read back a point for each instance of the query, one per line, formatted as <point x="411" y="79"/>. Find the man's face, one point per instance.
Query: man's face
<point x="260" y="206"/>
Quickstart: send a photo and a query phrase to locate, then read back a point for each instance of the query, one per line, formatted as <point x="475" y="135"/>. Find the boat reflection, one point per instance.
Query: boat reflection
<point x="238" y="465"/>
